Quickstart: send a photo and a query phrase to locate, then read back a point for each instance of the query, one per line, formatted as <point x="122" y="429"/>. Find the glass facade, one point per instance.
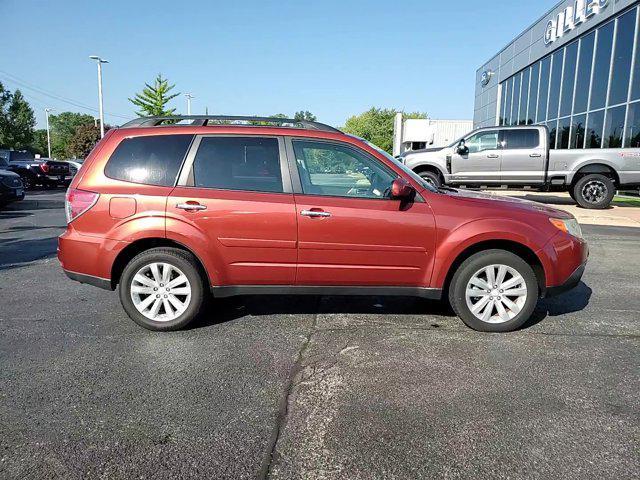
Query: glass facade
<point x="587" y="92"/>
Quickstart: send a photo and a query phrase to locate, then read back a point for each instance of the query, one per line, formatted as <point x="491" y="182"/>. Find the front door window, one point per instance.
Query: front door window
<point x="482" y="141"/>
<point x="340" y="171"/>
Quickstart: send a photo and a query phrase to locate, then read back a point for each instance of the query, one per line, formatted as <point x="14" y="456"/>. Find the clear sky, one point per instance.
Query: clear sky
<point x="334" y="58"/>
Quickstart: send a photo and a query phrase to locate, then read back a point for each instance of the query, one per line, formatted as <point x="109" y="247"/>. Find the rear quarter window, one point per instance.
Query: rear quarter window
<point x="151" y="160"/>
<point x="520" y="138"/>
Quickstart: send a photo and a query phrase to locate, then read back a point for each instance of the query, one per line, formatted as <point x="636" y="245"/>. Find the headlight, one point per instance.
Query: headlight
<point x="570" y="226"/>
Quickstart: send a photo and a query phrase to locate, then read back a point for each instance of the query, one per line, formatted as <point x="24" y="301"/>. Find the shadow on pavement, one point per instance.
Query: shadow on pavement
<point x="572" y="301"/>
<point x="14" y="254"/>
<point x="228" y="309"/>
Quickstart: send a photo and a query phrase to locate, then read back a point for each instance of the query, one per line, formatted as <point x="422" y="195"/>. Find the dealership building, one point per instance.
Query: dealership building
<point x="575" y="70"/>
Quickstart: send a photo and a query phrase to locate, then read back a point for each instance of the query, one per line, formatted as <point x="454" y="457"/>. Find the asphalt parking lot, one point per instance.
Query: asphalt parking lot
<point x="312" y="387"/>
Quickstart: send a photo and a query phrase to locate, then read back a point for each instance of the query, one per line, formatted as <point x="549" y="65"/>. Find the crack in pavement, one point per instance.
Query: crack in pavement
<point x="283" y="410"/>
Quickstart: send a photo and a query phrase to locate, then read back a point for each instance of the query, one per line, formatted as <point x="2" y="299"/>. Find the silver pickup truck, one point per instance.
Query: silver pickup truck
<point x="519" y="157"/>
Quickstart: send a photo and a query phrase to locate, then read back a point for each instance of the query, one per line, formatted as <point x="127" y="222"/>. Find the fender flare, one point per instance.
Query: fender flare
<point x="474" y="232"/>
<point x="418" y="167"/>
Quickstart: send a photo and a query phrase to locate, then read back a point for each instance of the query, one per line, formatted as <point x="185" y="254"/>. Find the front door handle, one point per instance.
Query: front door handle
<point x="492" y="155"/>
<point x="534" y="155"/>
<point x="314" y="213"/>
<point x="191" y="207"/>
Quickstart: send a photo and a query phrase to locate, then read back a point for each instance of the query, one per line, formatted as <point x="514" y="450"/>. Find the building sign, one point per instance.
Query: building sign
<point x="572" y="16"/>
<point x="486" y="77"/>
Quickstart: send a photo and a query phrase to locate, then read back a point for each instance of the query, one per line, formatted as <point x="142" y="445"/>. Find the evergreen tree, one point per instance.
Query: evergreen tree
<point x="153" y="99"/>
<point x="22" y="120"/>
<point x="16" y="120"/>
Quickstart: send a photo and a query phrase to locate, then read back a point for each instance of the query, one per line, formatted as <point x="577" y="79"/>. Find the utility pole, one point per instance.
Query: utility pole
<point x="189" y="97"/>
<point x="46" y="113"/>
<point x="100" y="61"/>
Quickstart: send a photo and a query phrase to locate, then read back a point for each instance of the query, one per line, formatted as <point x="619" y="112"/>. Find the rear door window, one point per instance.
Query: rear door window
<point x="152" y="160"/>
<point x="238" y="163"/>
<point x="520" y="138"/>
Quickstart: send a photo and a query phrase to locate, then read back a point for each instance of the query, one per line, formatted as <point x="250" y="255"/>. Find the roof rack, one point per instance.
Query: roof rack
<point x="203" y="120"/>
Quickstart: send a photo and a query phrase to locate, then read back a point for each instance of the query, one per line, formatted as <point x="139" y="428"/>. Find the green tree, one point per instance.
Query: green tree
<point x="16" y="120"/>
<point x="63" y="128"/>
<point x="22" y="121"/>
<point x="84" y="139"/>
<point x="376" y="126"/>
<point x="304" y="115"/>
<point x="5" y="133"/>
<point x="153" y="99"/>
<point x="39" y="143"/>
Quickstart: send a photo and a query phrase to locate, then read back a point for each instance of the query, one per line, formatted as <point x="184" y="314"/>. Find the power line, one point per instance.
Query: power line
<point x="75" y="103"/>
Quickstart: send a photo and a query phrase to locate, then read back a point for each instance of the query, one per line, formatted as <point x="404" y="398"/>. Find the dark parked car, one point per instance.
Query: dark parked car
<point x="11" y="187"/>
<point x="41" y="171"/>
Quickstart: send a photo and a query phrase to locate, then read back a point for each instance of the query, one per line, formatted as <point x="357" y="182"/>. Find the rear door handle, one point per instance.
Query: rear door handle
<point x="191" y="207"/>
<point x="314" y="213"/>
<point x="492" y="155"/>
<point x="534" y="155"/>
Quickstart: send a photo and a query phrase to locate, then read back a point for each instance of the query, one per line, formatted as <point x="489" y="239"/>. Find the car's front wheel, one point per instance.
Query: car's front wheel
<point x="162" y="289"/>
<point x="494" y="291"/>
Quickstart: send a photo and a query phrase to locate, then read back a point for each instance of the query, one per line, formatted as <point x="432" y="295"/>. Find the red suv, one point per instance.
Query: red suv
<point x="175" y="208"/>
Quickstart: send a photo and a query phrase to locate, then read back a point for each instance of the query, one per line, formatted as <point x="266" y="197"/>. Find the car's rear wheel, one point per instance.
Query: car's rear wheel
<point x="494" y="291"/>
<point x="162" y="289"/>
<point x="594" y="191"/>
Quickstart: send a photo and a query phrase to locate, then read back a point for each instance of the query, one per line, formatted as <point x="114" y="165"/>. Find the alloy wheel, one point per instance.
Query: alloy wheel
<point x="160" y="291"/>
<point x="594" y="191"/>
<point x="496" y="293"/>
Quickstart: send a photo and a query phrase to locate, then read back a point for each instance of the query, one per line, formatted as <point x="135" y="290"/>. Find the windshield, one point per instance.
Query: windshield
<point x="404" y="168"/>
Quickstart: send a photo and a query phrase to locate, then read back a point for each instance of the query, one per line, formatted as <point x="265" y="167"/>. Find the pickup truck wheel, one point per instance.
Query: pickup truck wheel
<point x="494" y="291"/>
<point x="161" y="289"/>
<point x="431" y="178"/>
<point x="27" y="183"/>
<point x="594" y="191"/>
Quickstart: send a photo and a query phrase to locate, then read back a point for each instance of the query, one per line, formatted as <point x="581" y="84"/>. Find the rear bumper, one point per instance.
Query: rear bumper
<point x="88" y="259"/>
<point x="103" y="283"/>
<point x="571" y="282"/>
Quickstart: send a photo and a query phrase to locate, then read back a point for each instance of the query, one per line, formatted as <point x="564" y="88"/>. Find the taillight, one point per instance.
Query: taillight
<point x="77" y="202"/>
<point x="44" y="167"/>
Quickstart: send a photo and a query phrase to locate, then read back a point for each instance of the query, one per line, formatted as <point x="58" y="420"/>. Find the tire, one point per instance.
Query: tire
<point x="182" y="263"/>
<point x="594" y="191"/>
<point x="27" y="182"/>
<point x="514" y="316"/>
<point x="572" y="195"/>
<point x="431" y="178"/>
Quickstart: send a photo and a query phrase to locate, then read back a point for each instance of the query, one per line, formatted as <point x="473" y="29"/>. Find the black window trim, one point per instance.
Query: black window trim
<point x="131" y="137"/>
<point x="184" y="180"/>
<point x="295" y="174"/>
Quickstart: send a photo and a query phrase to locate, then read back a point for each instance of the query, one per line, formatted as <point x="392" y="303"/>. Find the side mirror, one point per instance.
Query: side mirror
<point x="462" y="149"/>
<point x="401" y="189"/>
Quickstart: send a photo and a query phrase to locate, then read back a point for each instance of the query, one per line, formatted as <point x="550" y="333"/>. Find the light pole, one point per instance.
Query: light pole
<point x="46" y="113"/>
<point x="100" y="61"/>
<point x="189" y="97"/>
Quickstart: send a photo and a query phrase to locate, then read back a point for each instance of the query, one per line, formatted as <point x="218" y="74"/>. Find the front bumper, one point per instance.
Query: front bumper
<point x="571" y="282"/>
<point x="11" y="194"/>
